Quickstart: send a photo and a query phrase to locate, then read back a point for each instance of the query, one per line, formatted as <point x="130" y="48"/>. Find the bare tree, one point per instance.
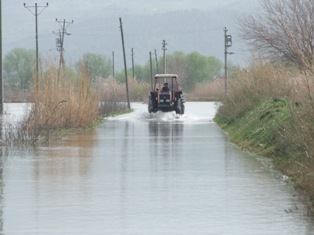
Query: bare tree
<point x="283" y="30"/>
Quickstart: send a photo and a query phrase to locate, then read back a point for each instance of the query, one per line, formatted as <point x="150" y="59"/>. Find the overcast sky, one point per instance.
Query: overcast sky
<point x="96" y="26"/>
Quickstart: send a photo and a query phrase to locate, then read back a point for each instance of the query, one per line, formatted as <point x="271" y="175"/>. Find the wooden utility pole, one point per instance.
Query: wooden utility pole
<point x="226" y="71"/>
<point x="36" y="14"/>
<point x="228" y="43"/>
<point x="60" y="46"/>
<point x="113" y="75"/>
<point x="151" y="70"/>
<point x="164" y="44"/>
<point x="133" y="63"/>
<point x="125" y="68"/>
<point x="156" y="59"/>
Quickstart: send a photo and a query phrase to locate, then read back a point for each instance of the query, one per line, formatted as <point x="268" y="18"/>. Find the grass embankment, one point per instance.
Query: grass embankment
<point x="270" y="111"/>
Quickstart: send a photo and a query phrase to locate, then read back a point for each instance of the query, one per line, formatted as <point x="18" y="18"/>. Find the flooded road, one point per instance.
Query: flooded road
<point x="146" y="174"/>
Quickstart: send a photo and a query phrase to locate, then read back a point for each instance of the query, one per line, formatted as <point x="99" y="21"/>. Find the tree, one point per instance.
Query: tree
<point x="201" y="69"/>
<point x="177" y="63"/>
<point x="283" y="30"/>
<point x="191" y="69"/>
<point x="97" y="65"/>
<point x="141" y="73"/>
<point x="18" y="68"/>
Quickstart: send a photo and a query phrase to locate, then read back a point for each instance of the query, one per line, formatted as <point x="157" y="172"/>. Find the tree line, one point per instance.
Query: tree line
<point x="192" y="68"/>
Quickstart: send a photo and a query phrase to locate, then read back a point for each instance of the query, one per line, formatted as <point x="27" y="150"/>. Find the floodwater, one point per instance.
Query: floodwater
<point x="145" y="174"/>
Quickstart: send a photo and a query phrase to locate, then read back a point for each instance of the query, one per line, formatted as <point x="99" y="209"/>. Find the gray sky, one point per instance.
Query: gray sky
<point x="186" y="25"/>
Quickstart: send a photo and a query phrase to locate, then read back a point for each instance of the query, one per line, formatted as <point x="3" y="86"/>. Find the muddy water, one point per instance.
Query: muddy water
<point x="146" y="174"/>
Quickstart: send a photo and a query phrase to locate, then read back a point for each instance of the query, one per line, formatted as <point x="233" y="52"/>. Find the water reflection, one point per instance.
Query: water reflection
<point x="134" y="175"/>
<point x="128" y="134"/>
<point x="66" y="157"/>
<point x="41" y="180"/>
<point x="165" y="144"/>
<point x="1" y="177"/>
<point x="247" y="174"/>
<point x="165" y="134"/>
<point x="1" y="191"/>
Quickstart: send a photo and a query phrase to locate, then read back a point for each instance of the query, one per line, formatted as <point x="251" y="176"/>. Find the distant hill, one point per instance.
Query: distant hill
<point x="186" y="26"/>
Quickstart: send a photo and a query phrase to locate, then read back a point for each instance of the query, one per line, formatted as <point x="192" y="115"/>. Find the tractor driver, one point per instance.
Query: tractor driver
<point x="165" y="87"/>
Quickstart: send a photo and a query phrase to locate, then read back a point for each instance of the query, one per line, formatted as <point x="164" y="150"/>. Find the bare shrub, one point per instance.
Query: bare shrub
<point x="65" y="102"/>
<point x="263" y="81"/>
<point x="110" y="89"/>
<point x="283" y="31"/>
<point x="207" y="91"/>
<point x="17" y="95"/>
<point x="113" y="97"/>
<point x="250" y="86"/>
<point x="299" y="132"/>
<point x="138" y="90"/>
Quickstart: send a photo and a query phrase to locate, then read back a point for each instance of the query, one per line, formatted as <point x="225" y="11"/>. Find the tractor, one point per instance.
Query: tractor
<point x="166" y="95"/>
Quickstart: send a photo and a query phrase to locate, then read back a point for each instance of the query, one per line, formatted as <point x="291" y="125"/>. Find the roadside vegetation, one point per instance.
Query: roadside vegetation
<point x="71" y="98"/>
<point x="62" y="102"/>
<point x="269" y="106"/>
<point x="199" y="75"/>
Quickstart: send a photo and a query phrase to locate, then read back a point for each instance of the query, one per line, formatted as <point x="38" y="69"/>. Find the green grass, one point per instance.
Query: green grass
<point x="258" y="128"/>
<point x="270" y="111"/>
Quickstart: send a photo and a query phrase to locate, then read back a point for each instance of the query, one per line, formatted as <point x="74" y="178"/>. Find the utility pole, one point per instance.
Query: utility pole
<point x="164" y="44"/>
<point x="60" y="42"/>
<point x="113" y="65"/>
<point x="132" y="63"/>
<point x="36" y="14"/>
<point x="156" y="58"/>
<point x="125" y="68"/>
<point x="228" y="43"/>
<point x="1" y="81"/>
<point x="151" y="69"/>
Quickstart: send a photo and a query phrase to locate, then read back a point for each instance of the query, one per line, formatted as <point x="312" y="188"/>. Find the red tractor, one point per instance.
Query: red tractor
<point x="166" y="96"/>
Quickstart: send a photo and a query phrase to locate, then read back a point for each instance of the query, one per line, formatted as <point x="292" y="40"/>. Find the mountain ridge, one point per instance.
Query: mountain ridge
<point x="187" y="28"/>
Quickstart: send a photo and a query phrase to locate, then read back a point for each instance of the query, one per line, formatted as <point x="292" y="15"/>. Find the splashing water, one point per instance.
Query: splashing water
<point x="197" y="114"/>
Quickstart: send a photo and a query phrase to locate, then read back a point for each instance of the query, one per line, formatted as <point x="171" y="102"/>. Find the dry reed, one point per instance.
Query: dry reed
<point x="207" y="91"/>
<point x="60" y="102"/>
<point x="111" y="90"/>
<point x="248" y="87"/>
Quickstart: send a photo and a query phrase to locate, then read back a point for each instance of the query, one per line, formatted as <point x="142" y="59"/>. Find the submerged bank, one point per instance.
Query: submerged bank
<point x="269" y="129"/>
